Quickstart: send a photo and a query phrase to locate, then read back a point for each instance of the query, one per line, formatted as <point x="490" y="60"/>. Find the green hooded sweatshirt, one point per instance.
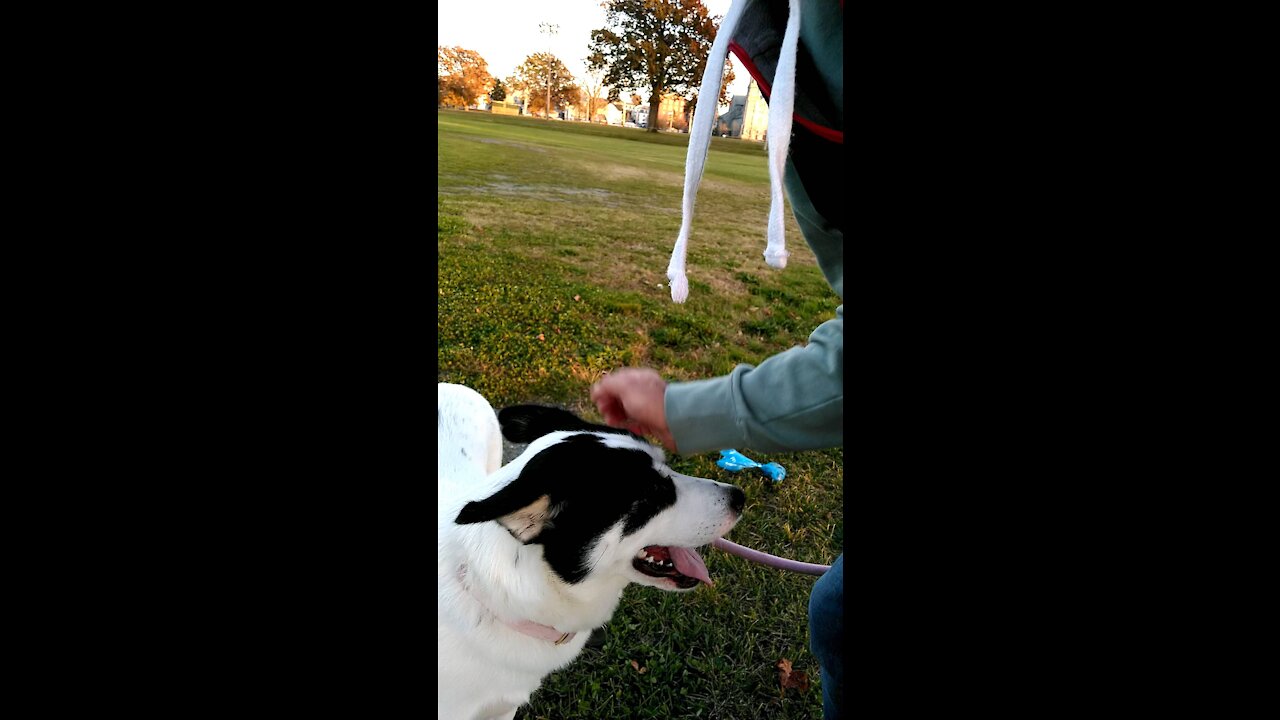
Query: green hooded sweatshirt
<point x="793" y="400"/>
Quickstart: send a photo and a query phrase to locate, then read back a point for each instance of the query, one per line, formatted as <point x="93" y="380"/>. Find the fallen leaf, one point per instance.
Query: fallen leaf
<point x="788" y="679"/>
<point x="641" y="670"/>
<point x="541" y="336"/>
<point x="798" y="680"/>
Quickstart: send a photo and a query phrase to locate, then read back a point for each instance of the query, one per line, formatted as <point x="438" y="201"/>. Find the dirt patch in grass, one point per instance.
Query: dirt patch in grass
<point x="550" y="193"/>
<point x="619" y="172"/>
<point x="509" y="143"/>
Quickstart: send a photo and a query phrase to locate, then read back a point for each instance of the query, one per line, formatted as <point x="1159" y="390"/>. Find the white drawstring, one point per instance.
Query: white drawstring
<point x="781" y="105"/>
<point x="699" y="144"/>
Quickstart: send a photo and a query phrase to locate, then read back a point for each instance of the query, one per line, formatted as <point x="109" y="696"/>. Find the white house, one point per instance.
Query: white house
<point x="613" y="115"/>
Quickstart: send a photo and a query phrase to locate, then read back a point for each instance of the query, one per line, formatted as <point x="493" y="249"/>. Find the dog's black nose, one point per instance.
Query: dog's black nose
<point x="737" y="499"/>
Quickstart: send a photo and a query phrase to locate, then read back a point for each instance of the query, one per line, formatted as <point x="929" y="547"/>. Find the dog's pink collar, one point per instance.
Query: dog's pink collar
<point x="538" y="630"/>
<point x="528" y="627"/>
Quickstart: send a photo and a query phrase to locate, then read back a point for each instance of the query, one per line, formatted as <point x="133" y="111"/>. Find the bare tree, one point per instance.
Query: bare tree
<point x="592" y="92"/>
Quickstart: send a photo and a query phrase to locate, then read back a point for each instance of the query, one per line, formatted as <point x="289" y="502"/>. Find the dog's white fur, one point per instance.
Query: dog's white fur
<point x="485" y="668"/>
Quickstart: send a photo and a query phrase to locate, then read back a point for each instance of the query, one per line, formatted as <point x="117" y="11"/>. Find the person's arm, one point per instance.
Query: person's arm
<point x="792" y="401"/>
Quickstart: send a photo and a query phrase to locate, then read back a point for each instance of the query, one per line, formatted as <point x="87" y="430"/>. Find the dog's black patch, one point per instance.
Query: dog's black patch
<point x="591" y="487"/>
<point x="526" y="423"/>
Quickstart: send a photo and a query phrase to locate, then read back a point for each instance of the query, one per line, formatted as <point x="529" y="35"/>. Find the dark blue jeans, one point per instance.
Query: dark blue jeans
<point x="826" y="636"/>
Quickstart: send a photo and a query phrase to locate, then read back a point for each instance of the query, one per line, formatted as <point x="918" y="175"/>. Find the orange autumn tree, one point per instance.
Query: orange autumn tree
<point x="542" y="74"/>
<point x="463" y="76"/>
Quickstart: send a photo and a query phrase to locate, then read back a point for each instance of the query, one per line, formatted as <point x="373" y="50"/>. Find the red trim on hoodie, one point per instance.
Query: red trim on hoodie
<point x="836" y="136"/>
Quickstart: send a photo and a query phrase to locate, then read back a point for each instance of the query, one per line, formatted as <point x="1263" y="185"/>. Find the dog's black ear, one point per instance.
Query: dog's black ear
<point x="526" y="423"/>
<point x="522" y="507"/>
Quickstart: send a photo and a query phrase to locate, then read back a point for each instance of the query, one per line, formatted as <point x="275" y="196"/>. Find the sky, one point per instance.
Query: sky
<point x="505" y="32"/>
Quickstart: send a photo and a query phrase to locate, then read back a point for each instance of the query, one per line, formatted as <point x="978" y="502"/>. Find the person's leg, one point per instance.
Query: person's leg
<point x="826" y="636"/>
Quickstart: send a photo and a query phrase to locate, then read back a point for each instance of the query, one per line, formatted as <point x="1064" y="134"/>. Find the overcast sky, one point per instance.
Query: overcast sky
<point x="505" y="32"/>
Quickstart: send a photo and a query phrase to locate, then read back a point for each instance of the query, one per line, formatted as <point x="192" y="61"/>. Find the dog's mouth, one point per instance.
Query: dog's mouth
<point x="683" y="566"/>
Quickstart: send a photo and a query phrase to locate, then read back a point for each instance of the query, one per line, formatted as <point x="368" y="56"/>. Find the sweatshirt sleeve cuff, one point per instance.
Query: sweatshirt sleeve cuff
<point x="697" y="415"/>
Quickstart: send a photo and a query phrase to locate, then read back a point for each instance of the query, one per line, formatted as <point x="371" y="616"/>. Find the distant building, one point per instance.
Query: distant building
<point x="502" y="107"/>
<point x="730" y="123"/>
<point x="755" y="114"/>
<point x="670" y="114"/>
<point x="613" y="113"/>
<point x="516" y="97"/>
<point x="747" y="116"/>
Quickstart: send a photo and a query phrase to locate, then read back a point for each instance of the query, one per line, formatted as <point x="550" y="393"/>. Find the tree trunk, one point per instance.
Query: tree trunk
<point x="654" y="101"/>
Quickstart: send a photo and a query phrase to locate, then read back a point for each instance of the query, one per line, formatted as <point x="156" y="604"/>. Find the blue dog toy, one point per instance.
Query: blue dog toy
<point x="733" y="461"/>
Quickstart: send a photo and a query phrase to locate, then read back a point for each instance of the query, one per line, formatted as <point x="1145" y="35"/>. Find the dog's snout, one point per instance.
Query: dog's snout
<point x="737" y="499"/>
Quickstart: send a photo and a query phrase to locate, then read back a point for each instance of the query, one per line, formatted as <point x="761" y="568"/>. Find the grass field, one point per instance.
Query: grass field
<point x="553" y="241"/>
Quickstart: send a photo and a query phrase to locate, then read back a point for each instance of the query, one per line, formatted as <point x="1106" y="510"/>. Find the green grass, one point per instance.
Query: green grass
<point x="553" y="241"/>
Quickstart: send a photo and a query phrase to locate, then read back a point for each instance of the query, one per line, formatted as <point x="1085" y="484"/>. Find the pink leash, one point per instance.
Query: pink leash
<point x="771" y="560"/>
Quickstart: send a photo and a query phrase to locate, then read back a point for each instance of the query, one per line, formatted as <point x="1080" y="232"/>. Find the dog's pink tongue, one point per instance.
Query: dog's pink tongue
<point x="688" y="562"/>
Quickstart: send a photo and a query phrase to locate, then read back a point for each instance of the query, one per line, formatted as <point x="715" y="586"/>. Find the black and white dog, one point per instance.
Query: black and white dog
<point x="533" y="555"/>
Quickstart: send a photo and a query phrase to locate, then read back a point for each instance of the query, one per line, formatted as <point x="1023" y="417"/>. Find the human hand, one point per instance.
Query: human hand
<point x="634" y="399"/>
